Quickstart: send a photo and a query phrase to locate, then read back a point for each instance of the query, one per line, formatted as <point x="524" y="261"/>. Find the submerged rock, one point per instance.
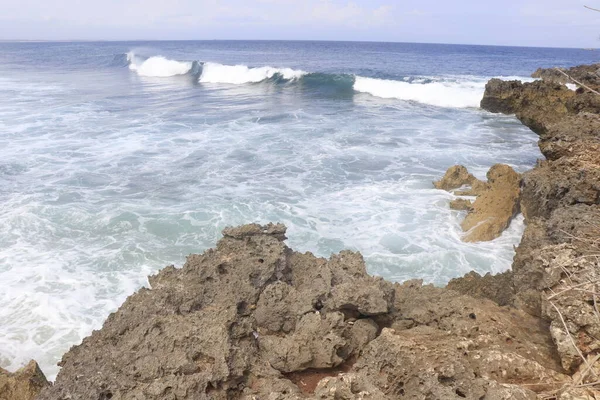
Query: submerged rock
<point x="25" y="384"/>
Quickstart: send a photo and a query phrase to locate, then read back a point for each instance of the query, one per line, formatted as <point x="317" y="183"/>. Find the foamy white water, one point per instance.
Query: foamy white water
<point x="443" y="94"/>
<point x="239" y="74"/>
<point x="107" y="176"/>
<point x="158" y="66"/>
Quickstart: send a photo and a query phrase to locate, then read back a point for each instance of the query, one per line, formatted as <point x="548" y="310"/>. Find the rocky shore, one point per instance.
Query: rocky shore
<point x="253" y="319"/>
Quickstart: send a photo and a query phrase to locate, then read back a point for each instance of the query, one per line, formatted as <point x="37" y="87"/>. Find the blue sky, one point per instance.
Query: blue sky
<point x="560" y="23"/>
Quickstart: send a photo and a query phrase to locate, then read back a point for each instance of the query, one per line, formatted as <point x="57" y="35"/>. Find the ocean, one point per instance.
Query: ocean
<point x="119" y="158"/>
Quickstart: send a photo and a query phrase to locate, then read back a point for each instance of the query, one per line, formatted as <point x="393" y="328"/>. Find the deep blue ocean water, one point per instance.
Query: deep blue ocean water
<point x="117" y="159"/>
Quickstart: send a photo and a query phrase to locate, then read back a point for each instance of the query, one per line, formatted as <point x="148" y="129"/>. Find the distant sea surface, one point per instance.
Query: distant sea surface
<point x="117" y="159"/>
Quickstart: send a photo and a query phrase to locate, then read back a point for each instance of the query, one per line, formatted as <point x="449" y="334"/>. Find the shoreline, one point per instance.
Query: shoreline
<point x="248" y="319"/>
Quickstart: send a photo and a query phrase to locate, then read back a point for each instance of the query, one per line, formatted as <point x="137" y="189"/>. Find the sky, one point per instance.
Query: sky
<point x="552" y="23"/>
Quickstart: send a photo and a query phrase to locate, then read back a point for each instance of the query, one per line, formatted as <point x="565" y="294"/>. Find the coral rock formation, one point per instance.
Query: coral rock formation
<point x="253" y="319"/>
<point x="496" y="205"/>
<point x="555" y="272"/>
<point x="25" y="384"/>
<point x="494" y="208"/>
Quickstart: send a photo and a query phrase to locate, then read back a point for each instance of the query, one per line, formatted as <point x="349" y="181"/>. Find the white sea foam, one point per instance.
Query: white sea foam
<point x="157" y="66"/>
<point x="443" y="94"/>
<point x="239" y="74"/>
<point x="95" y="198"/>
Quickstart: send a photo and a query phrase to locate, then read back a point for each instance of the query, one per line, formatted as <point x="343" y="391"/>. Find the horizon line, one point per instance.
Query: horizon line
<point x="276" y="40"/>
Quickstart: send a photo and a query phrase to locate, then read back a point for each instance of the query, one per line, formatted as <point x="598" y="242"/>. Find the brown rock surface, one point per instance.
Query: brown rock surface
<point x="252" y="319"/>
<point x="498" y="288"/>
<point x="496" y="205"/>
<point x="556" y="267"/>
<point x="456" y="177"/>
<point x="25" y="384"/>
<point x="586" y="74"/>
<point x="536" y="104"/>
<point x="461" y="205"/>
<point x="494" y="208"/>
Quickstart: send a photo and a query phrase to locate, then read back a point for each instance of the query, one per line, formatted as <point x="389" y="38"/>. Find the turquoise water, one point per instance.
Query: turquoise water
<point x="117" y="159"/>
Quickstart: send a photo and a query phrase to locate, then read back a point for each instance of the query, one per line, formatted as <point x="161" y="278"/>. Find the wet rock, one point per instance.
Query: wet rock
<point x="25" y="384"/>
<point x="496" y="207"/>
<point x="456" y="177"/>
<point x="461" y="205"/>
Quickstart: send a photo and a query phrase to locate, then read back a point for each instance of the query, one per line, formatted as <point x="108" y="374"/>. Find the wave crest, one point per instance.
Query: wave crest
<point x="453" y="92"/>
<point x="240" y="74"/>
<point x="442" y="94"/>
<point x="158" y="66"/>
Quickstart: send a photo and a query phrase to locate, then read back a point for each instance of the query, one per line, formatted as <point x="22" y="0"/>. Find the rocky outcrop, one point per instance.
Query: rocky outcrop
<point x="555" y="271"/>
<point x="496" y="205"/>
<point x="589" y="75"/>
<point x="456" y="177"/>
<point x="498" y="288"/>
<point x="25" y="384"/>
<point x="536" y="104"/>
<point x="253" y="319"/>
<point x="494" y="208"/>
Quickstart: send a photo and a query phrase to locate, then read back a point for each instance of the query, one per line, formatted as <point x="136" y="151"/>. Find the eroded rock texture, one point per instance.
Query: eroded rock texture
<point x="25" y="384"/>
<point x="556" y="271"/>
<point x="252" y="319"/>
<point x="496" y="205"/>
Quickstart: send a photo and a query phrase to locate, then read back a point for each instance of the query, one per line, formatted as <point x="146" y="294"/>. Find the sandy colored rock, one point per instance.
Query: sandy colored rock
<point x="476" y="189"/>
<point x="456" y="177"/>
<point x="496" y="207"/>
<point x="25" y="384"/>
<point x="461" y="205"/>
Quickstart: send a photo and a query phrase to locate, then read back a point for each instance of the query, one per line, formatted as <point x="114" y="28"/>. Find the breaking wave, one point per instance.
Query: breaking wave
<point x="239" y="74"/>
<point x="451" y="92"/>
<point x="158" y="66"/>
<point x="440" y="93"/>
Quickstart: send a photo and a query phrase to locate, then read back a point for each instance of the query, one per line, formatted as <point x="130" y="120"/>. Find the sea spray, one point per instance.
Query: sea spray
<point x="240" y="74"/>
<point x="158" y="66"/>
